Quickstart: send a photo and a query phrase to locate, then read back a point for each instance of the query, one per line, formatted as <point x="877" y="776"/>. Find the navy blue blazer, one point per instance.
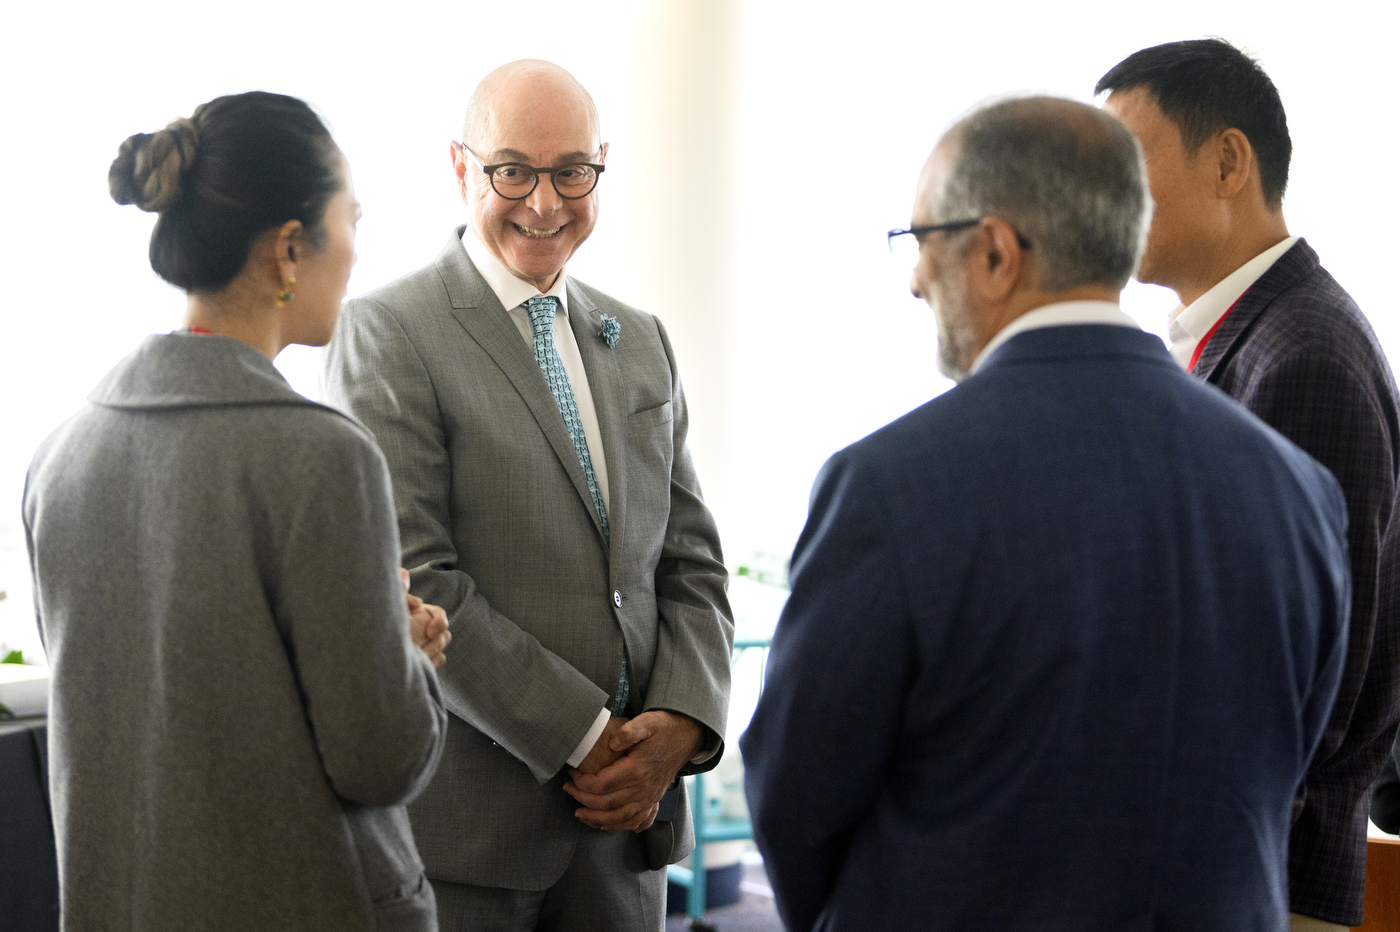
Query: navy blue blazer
<point x="1059" y="647"/>
<point x="1296" y="351"/>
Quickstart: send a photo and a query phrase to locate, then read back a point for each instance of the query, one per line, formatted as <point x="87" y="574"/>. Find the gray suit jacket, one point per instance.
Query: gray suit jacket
<point x="498" y="527"/>
<point x="238" y="711"/>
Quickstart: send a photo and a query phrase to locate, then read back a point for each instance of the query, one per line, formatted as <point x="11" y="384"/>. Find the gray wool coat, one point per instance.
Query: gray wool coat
<point x="239" y="713"/>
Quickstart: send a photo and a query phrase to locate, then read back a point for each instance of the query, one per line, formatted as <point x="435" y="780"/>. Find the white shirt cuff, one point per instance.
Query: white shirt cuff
<point x="591" y="738"/>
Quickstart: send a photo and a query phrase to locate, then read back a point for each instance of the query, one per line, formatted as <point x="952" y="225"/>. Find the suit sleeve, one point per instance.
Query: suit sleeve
<point x="1385" y="797"/>
<point x="1334" y="413"/>
<point x="498" y="678"/>
<point x="371" y="695"/>
<point x="838" y="674"/>
<point x="695" y="638"/>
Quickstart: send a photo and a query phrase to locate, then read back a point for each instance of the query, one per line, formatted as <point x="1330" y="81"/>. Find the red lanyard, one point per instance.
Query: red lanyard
<point x="1201" y="345"/>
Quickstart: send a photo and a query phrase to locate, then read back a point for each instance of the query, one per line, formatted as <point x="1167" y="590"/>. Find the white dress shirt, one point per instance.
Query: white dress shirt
<point x="1060" y="314"/>
<point x="1189" y="325"/>
<point x="513" y="293"/>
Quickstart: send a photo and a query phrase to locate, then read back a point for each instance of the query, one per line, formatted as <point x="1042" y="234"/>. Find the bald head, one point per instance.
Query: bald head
<point x="519" y="88"/>
<point x="1066" y="175"/>
<point x="536" y="117"/>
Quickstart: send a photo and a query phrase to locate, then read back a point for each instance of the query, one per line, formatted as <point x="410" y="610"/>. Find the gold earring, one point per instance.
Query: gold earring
<point x="285" y="296"/>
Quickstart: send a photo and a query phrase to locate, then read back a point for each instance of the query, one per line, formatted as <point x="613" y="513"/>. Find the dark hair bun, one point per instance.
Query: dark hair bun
<point x="239" y="166"/>
<point x="150" y="168"/>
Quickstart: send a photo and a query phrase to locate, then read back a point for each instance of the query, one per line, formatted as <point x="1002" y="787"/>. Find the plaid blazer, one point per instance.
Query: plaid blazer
<point x="1297" y="351"/>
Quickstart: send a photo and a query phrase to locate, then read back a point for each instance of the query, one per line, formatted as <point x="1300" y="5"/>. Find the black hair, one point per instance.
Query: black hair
<point x="239" y="166"/>
<point x="1205" y="86"/>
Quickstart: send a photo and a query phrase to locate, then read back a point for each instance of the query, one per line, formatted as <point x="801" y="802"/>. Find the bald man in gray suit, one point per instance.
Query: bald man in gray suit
<point x="535" y="430"/>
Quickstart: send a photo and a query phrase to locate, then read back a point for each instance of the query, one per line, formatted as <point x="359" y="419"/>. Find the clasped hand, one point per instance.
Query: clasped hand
<point x="621" y="781"/>
<point x="427" y="624"/>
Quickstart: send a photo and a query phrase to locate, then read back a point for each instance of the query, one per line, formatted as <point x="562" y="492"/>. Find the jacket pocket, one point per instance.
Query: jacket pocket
<point x="651" y="417"/>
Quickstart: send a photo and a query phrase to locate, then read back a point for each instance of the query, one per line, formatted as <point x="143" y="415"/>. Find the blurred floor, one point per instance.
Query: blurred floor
<point x="753" y="913"/>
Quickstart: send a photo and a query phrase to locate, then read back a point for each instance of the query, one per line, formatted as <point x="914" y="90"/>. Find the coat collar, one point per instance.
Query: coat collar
<point x="466" y="288"/>
<point x="1077" y="341"/>
<point x="182" y="370"/>
<point x="1292" y="267"/>
<point x="479" y="311"/>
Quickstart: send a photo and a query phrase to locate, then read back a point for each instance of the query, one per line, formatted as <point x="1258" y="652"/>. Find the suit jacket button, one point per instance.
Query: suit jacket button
<point x="617" y="598"/>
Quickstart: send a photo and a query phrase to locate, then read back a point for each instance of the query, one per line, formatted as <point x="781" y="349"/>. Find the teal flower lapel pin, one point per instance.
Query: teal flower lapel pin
<point x="611" y="332"/>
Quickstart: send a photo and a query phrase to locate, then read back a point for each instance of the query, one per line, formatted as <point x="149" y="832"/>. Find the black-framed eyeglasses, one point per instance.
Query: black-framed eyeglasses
<point x="516" y="181"/>
<point x="919" y="232"/>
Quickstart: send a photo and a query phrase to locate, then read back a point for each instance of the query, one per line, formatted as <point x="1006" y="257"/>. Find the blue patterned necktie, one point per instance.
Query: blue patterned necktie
<point x="541" y="311"/>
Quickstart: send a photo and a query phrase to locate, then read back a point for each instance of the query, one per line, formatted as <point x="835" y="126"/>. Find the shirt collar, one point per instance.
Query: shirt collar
<point x="510" y="290"/>
<point x="1194" y="321"/>
<point x="1059" y="314"/>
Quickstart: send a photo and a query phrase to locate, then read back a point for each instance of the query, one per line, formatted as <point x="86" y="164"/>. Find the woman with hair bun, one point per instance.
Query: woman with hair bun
<point x="243" y="696"/>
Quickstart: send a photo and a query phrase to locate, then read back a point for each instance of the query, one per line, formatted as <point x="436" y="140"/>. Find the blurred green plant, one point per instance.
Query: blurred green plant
<point x="768" y="569"/>
<point x="14" y="656"/>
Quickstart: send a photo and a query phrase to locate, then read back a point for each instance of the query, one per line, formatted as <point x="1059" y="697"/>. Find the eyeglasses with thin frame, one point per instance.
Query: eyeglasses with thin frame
<point x="516" y="181"/>
<point x="919" y="232"/>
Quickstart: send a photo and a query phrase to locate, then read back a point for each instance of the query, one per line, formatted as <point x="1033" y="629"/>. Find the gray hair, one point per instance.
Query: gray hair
<point x="1069" y="177"/>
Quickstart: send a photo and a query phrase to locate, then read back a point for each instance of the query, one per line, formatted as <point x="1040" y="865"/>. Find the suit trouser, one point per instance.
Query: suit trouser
<point x="606" y="888"/>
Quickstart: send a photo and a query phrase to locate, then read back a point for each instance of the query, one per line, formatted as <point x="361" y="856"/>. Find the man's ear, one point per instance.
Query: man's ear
<point x="459" y="168"/>
<point x="997" y="263"/>
<point x="1235" y="158"/>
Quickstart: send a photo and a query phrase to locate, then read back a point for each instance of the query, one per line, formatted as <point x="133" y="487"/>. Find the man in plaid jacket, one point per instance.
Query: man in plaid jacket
<point x="1261" y="319"/>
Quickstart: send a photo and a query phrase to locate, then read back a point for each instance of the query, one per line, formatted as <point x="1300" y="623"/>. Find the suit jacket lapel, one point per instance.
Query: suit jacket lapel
<point x="479" y="311"/>
<point x="1291" y="267"/>
<point x="605" y="384"/>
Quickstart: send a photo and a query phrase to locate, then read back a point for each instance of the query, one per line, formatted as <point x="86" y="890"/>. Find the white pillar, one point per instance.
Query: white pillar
<point x="682" y="214"/>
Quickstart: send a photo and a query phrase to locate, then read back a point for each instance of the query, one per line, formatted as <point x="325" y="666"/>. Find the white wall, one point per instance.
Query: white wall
<point x="835" y="346"/>
<point x="825" y="342"/>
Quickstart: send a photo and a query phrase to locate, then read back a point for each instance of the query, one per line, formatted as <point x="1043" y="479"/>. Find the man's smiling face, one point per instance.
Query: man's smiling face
<point x="543" y="119"/>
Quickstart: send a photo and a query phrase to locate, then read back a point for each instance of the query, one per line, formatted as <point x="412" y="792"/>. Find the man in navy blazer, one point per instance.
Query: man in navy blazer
<point x="1262" y="319"/>
<point x="1061" y="641"/>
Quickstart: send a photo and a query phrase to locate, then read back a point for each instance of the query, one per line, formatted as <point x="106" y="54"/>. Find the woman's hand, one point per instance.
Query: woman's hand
<point x="428" y="625"/>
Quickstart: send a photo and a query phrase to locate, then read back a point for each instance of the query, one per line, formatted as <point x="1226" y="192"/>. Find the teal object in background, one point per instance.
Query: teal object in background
<point x="711" y="825"/>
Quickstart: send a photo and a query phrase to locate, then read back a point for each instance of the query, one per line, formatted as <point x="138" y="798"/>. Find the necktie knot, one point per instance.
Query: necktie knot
<point x="541" y="310"/>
